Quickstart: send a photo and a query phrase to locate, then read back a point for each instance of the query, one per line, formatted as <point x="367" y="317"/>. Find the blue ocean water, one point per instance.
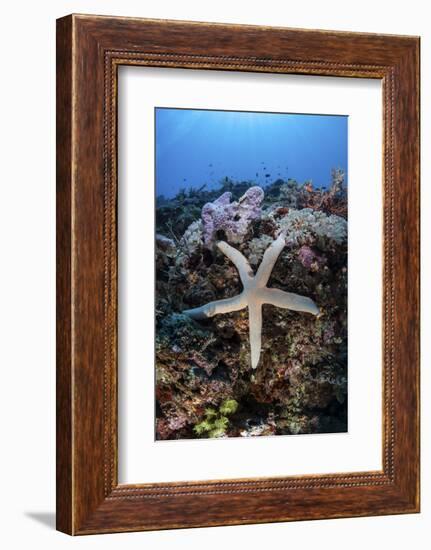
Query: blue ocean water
<point x="203" y="147"/>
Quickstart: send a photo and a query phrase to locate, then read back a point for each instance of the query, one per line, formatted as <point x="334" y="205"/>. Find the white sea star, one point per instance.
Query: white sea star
<point x="254" y="294"/>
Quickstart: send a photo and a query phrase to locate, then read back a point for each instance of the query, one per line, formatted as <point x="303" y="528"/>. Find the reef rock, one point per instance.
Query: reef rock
<point x="300" y="384"/>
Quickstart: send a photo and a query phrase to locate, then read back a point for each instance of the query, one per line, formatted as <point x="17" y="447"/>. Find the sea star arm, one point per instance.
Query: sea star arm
<point x="244" y="269"/>
<point x="288" y="300"/>
<point x="255" y="331"/>
<point x="268" y="261"/>
<point x="214" y="308"/>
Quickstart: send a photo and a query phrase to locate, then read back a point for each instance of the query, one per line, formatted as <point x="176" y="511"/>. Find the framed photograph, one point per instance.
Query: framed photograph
<point x="237" y="274"/>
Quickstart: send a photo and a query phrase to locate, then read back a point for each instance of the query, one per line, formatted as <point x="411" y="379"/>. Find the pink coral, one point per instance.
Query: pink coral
<point x="177" y="422"/>
<point x="310" y="259"/>
<point x="232" y="217"/>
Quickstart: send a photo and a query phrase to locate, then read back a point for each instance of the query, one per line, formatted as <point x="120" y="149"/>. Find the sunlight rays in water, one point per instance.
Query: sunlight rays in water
<point x="196" y="147"/>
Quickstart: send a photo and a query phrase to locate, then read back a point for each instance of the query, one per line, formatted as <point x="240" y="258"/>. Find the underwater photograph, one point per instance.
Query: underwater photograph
<point x="251" y="248"/>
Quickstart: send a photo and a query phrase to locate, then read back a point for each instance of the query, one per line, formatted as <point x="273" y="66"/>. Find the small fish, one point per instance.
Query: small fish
<point x="257" y="175"/>
<point x="267" y="175"/>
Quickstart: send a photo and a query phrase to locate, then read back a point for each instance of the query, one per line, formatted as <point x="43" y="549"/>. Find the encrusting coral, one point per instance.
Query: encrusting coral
<point x="299" y="235"/>
<point x="216" y="422"/>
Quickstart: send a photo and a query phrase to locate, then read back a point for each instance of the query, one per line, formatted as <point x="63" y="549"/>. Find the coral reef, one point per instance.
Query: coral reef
<point x="203" y="365"/>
